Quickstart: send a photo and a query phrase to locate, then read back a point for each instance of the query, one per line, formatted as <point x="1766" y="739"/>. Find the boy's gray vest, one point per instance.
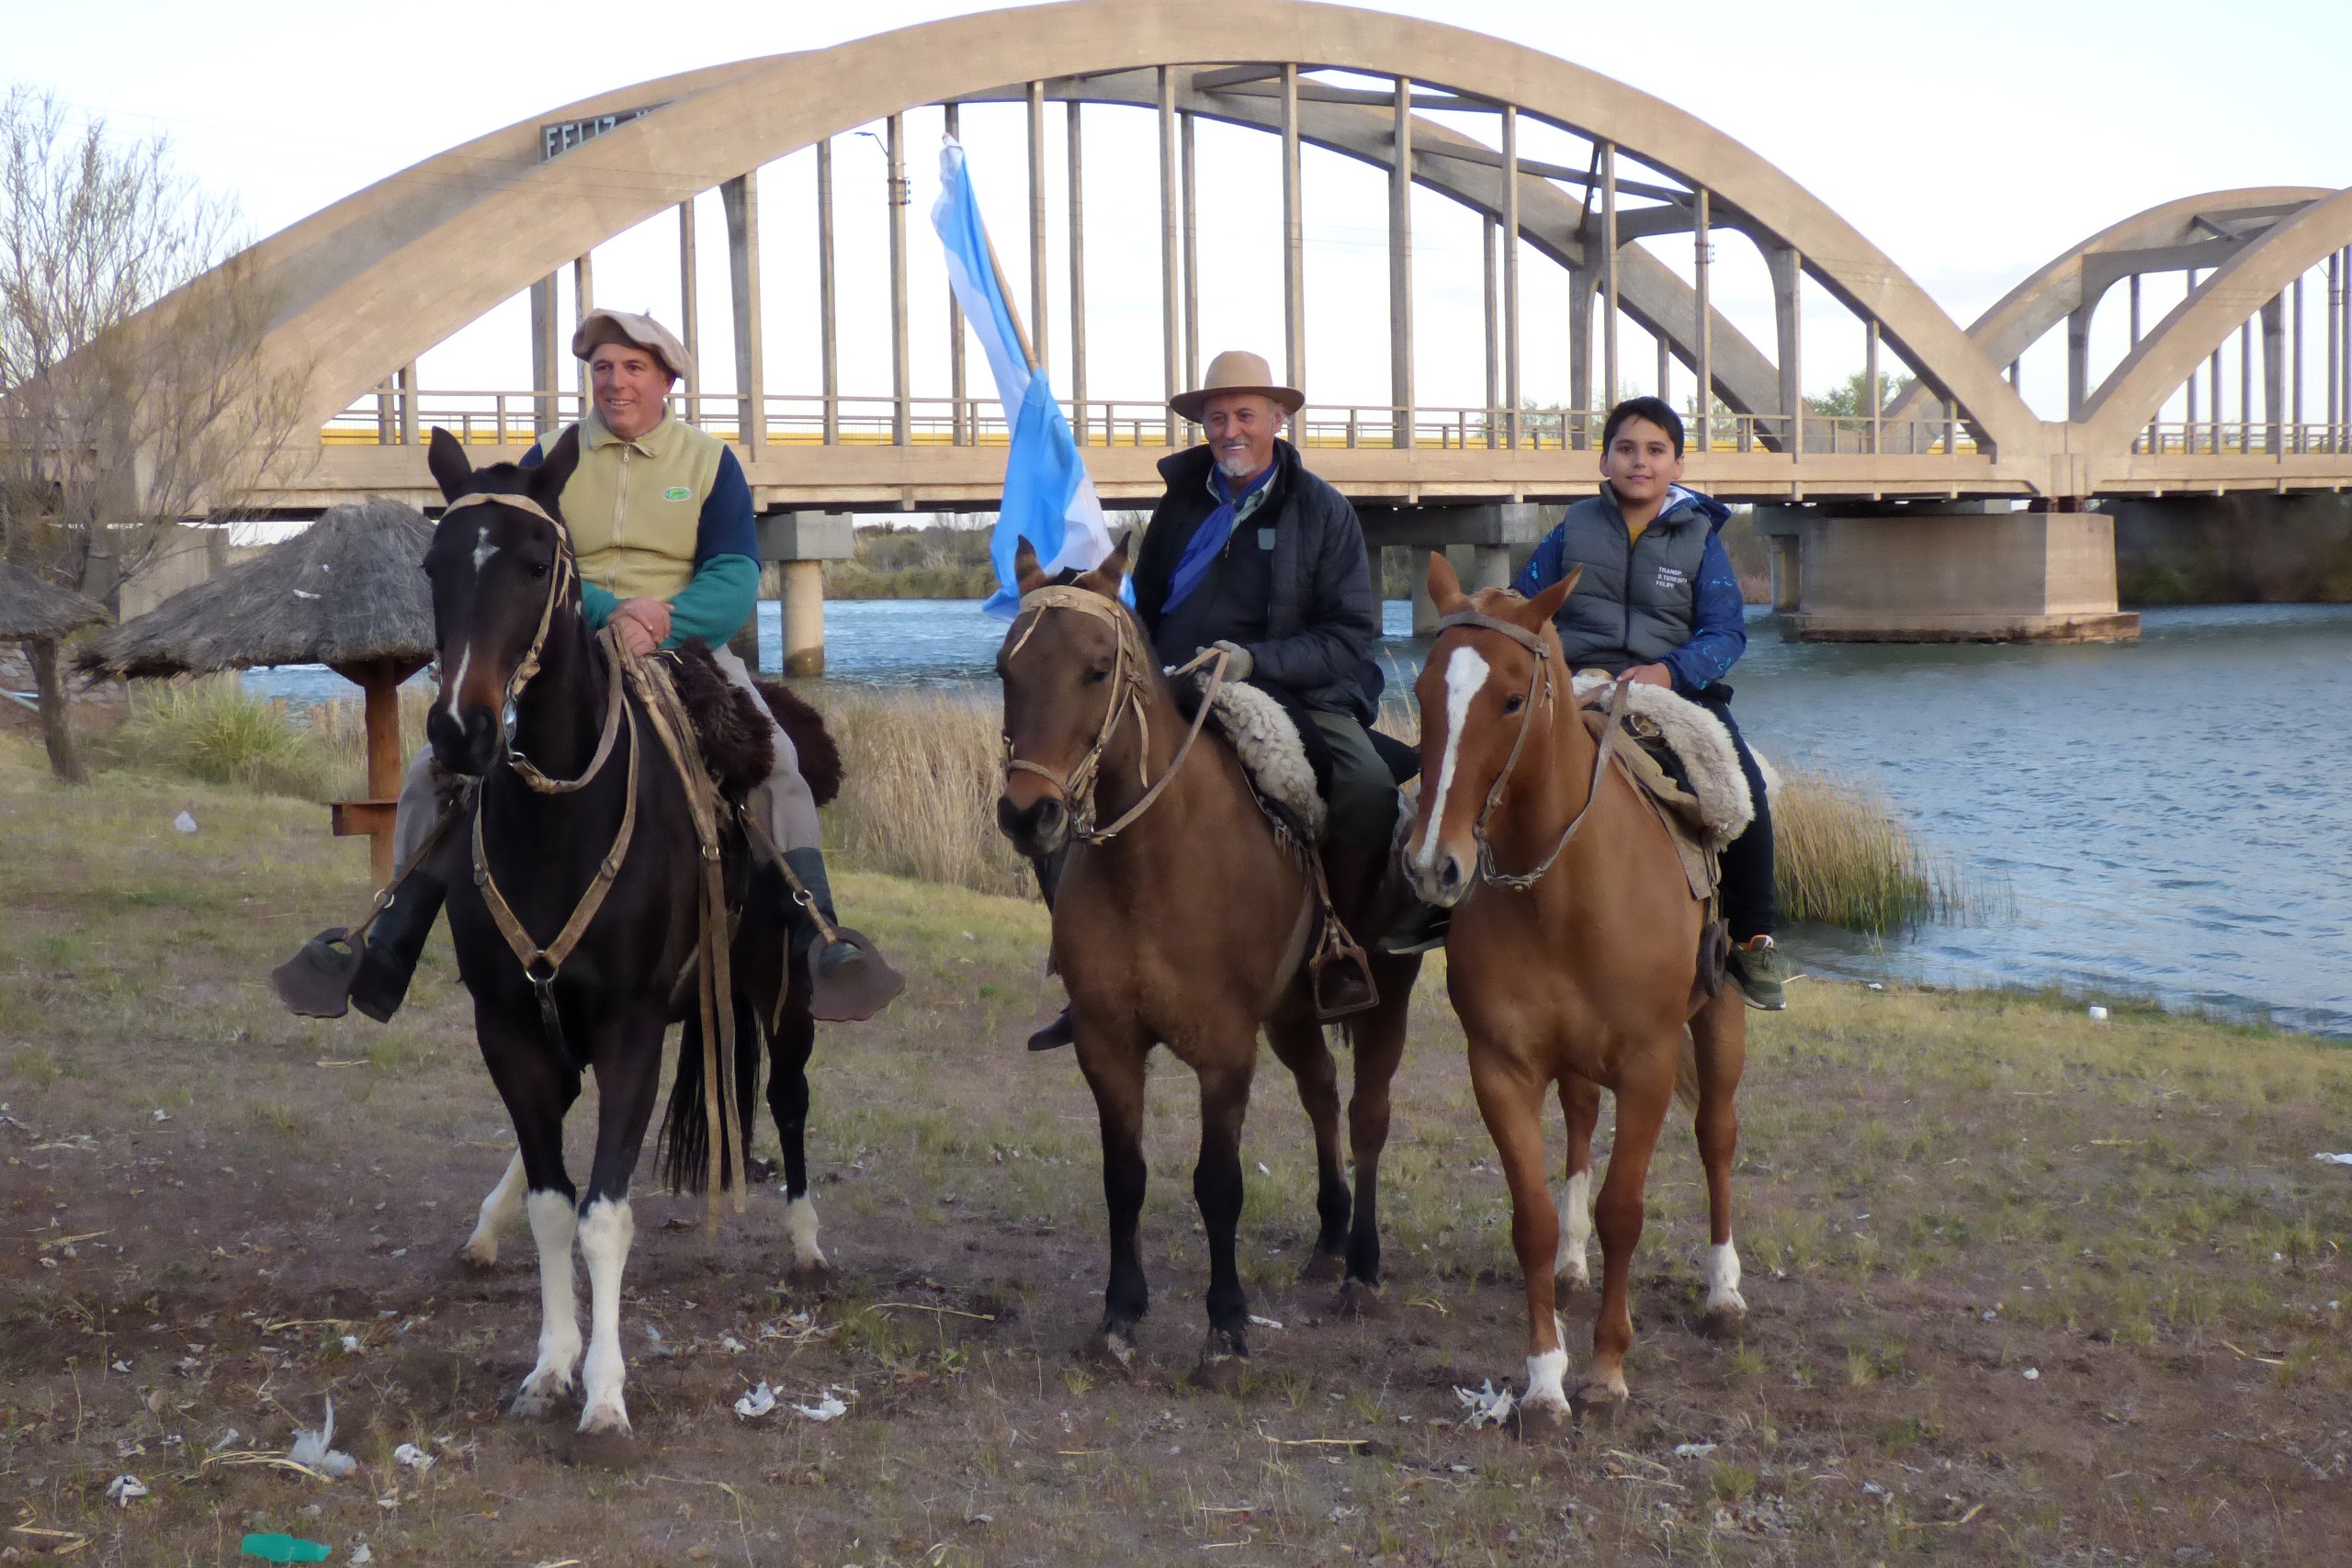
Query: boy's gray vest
<point x="1637" y="603"/>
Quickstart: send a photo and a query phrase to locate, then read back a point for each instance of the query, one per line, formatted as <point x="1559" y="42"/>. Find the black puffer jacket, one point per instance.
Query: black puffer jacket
<point x="1313" y="633"/>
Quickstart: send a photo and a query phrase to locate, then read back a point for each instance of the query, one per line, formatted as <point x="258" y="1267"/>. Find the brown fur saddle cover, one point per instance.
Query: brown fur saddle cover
<point x="738" y="745"/>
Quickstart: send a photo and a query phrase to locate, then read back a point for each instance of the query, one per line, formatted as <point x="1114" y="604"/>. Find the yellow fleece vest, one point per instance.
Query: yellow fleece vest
<point x="635" y="507"/>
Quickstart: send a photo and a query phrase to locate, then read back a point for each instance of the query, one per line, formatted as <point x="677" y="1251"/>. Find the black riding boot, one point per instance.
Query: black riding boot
<point x="394" y="944"/>
<point x="839" y="959"/>
<point x="1060" y="1032"/>
<point x="849" y="981"/>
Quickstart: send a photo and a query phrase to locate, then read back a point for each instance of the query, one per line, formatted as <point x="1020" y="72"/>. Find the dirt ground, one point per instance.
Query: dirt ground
<point x="2025" y="1288"/>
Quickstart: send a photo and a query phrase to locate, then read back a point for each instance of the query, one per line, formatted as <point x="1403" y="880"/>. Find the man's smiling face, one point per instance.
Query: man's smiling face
<point x="1241" y="428"/>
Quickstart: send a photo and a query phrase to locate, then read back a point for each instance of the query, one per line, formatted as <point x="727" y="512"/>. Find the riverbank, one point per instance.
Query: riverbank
<point x="2024" y="1287"/>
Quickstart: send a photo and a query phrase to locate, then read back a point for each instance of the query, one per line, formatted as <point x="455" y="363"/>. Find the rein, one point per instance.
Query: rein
<point x="1130" y="679"/>
<point x="1621" y="692"/>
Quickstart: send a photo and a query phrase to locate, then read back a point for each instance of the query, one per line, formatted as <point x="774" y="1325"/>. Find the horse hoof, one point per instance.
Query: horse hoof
<point x="1110" y="1349"/>
<point x="1597" y="1404"/>
<point x="1360" y="1300"/>
<point x="477" y="1257"/>
<point x="605" y="1421"/>
<point x="1540" y="1420"/>
<point x="1724" y="1320"/>
<point x="533" y="1403"/>
<point x="1323" y="1268"/>
<point x="814" y="1276"/>
<point x="1224" y="1363"/>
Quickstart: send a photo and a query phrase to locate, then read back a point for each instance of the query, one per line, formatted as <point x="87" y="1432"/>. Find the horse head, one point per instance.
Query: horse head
<point x="1064" y="676"/>
<point x="1476" y="692"/>
<point x="501" y="568"/>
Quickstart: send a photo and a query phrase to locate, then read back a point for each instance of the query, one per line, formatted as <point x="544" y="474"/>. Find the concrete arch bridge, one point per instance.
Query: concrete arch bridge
<point x="1955" y="510"/>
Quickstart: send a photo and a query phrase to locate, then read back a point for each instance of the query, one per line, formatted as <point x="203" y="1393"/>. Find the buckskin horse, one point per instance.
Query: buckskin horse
<point x="582" y="830"/>
<point x="1578" y="962"/>
<point x="1183" y="920"/>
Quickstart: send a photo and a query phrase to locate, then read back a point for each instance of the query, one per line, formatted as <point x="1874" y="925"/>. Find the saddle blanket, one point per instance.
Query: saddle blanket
<point x="1715" y="807"/>
<point x="1271" y="753"/>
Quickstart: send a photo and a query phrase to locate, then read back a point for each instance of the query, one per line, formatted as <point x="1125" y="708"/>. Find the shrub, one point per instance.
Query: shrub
<point x="212" y="729"/>
<point x="1843" y="854"/>
<point x="920" y="790"/>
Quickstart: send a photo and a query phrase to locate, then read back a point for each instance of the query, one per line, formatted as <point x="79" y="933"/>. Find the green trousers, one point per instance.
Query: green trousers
<point x="1363" y="792"/>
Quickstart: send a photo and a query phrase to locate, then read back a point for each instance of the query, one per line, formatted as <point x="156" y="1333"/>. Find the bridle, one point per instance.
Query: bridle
<point x="1540" y="676"/>
<point x="1131" y="687"/>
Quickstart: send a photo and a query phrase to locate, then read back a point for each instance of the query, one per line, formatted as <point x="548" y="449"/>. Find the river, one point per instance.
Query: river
<point x="2168" y="819"/>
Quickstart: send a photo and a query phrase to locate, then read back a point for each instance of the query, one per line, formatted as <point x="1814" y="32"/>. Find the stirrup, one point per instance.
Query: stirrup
<point x="1340" y="977"/>
<point x="316" y="982"/>
<point x="856" y="987"/>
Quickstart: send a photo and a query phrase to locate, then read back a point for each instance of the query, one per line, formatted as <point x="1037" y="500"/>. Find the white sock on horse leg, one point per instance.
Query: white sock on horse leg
<point x="800" y="1229"/>
<point x="606" y="1232"/>
<point x="500" y="1212"/>
<point x="554" y="1223"/>
<point x="1723" y="1279"/>
<point x="1576" y="1229"/>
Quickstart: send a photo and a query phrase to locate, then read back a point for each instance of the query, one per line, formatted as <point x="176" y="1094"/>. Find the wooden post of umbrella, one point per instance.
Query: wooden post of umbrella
<point x="380" y="679"/>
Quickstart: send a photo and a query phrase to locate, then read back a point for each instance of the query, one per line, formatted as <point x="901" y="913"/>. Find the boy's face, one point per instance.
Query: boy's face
<point x="1641" y="463"/>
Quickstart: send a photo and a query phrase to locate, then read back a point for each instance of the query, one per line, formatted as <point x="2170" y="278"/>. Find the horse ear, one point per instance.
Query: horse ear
<point x="554" y="471"/>
<point x="1445" y="586"/>
<point x="1108" y="574"/>
<point x="1546" y="604"/>
<point x="445" y="460"/>
<point x="1027" y="575"/>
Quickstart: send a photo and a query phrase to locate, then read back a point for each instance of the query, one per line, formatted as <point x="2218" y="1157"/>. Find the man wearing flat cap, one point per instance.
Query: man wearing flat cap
<point x="662" y="531"/>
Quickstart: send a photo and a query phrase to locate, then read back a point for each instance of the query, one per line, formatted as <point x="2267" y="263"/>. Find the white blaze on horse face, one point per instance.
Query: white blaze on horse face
<point x="483" y="550"/>
<point x="1722" y="1281"/>
<point x="465" y="656"/>
<point x="554" y="1223"/>
<point x="606" y="1232"/>
<point x="1576" y="1229"/>
<point x="1465" y="676"/>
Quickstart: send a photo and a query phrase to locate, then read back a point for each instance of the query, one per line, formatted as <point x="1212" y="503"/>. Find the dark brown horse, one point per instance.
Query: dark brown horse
<point x="1577" y="962"/>
<point x="579" y="821"/>
<point x="1182" y="920"/>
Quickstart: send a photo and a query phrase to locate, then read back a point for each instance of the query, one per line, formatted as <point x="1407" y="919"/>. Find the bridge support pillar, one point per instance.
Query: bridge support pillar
<point x="802" y="542"/>
<point x="1480" y="540"/>
<point x="1944" y="572"/>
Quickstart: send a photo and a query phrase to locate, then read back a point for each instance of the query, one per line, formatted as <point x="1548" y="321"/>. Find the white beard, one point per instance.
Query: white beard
<point x="1237" y="467"/>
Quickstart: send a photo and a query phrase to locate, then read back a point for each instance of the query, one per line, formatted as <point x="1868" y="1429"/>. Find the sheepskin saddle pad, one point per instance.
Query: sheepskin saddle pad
<point x="1271" y="753"/>
<point x="734" y="731"/>
<point x="1714" y="807"/>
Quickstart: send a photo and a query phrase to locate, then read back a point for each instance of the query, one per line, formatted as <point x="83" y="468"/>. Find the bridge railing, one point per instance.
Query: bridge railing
<point x="2239" y="437"/>
<point x="391" y="417"/>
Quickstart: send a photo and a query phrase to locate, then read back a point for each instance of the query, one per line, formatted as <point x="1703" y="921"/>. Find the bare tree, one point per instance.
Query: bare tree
<point x="134" y="392"/>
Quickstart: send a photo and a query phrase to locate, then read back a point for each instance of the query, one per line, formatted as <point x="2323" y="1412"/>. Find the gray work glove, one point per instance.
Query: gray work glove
<point x="1240" y="662"/>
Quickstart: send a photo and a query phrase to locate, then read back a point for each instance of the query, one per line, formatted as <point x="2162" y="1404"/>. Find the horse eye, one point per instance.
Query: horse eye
<point x="540" y="569"/>
<point x="1096" y="677"/>
<point x="1512" y="704"/>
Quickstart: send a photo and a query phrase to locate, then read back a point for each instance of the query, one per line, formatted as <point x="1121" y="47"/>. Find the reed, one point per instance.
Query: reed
<point x="920" y="789"/>
<point x="1843" y="855"/>
<point x="340" y="726"/>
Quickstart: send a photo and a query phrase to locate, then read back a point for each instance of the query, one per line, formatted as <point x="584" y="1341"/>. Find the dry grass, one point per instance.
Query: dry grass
<point x="1844" y="855"/>
<point x="1938" y="1194"/>
<point x="922" y="777"/>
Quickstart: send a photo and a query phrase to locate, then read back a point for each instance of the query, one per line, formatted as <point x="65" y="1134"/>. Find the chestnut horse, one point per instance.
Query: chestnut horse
<point x="1579" y="964"/>
<point x="1183" y="920"/>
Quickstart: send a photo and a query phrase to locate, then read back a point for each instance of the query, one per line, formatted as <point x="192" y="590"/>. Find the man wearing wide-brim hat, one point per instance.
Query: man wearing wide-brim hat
<point x="662" y="531"/>
<point x="1249" y="552"/>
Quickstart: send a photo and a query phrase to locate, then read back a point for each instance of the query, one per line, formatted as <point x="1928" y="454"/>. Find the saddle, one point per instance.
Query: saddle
<point x="1685" y="767"/>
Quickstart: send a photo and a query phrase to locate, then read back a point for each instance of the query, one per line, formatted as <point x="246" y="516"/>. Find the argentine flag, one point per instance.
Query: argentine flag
<point x="1048" y="499"/>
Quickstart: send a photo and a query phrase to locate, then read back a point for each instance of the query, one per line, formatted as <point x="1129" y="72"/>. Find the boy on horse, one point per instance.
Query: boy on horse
<point x="661" y="520"/>
<point x="1659" y="603"/>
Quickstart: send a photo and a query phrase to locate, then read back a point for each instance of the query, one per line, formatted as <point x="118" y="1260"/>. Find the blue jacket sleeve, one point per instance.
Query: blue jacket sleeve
<point x="1542" y="568"/>
<point x="726" y="528"/>
<point x="1722" y="634"/>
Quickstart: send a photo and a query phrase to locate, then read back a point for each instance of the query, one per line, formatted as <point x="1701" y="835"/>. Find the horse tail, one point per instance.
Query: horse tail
<point x="1686" y="1072"/>
<point x="683" y="1157"/>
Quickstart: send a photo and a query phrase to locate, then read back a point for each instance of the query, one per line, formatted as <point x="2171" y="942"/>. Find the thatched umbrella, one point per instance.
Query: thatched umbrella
<point x="40" y="614"/>
<point x="349" y="592"/>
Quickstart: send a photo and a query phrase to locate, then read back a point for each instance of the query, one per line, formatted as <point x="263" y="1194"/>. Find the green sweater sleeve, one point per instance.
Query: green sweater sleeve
<point x="598" y="604"/>
<point x="713" y="606"/>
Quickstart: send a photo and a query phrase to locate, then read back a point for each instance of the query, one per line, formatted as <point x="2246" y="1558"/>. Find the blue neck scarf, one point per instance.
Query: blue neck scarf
<point x="1209" y="539"/>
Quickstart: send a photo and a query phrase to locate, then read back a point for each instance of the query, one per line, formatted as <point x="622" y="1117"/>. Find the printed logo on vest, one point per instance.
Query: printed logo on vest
<point x="1670" y="577"/>
<point x="677" y="492"/>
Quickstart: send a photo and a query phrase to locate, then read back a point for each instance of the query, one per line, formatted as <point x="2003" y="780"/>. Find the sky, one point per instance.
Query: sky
<point x="1970" y="143"/>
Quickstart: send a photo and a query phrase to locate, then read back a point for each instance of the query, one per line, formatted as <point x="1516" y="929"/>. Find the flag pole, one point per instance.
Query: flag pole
<point x="1005" y="289"/>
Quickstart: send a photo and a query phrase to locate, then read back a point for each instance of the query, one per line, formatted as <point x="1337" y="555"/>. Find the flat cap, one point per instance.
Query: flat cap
<point x="602" y="326"/>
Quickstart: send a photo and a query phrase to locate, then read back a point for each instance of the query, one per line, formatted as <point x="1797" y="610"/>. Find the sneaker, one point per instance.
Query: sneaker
<point x="1754" y="967"/>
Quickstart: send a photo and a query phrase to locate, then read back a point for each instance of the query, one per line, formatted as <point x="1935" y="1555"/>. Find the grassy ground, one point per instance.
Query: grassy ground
<point x="2026" y="1289"/>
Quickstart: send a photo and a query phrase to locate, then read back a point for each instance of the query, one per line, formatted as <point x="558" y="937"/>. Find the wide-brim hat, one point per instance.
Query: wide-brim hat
<point x="1236" y="370"/>
<point x="601" y="326"/>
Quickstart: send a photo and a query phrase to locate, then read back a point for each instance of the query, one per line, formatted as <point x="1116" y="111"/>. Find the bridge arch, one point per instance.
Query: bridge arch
<point x="392" y="270"/>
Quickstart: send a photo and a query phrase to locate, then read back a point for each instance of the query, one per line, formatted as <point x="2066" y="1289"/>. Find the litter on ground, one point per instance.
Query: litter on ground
<point x="757" y="1402"/>
<point x="1484" y="1406"/>
<point x="827" y="1407"/>
<point x="416" y="1458"/>
<point x="316" y="1449"/>
<point x="123" y="1488"/>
